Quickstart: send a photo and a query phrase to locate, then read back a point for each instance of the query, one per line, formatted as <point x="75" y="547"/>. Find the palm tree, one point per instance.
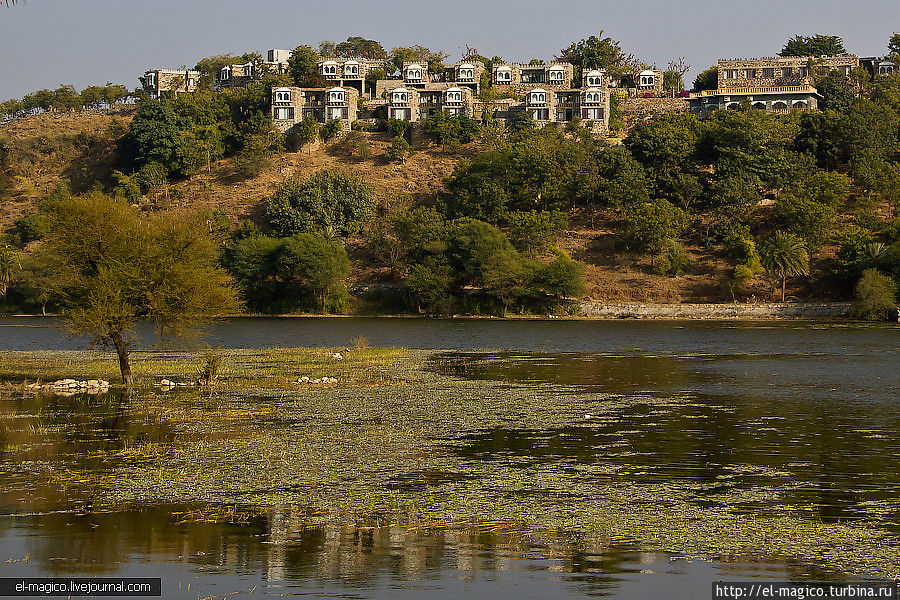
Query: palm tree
<point x="782" y="255"/>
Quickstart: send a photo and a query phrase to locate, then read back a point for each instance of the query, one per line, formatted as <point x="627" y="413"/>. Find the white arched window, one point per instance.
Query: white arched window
<point x="557" y="75"/>
<point x="414" y="73"/>
<point x="466" y="72"/>
<point x="647" y="79"/>
<point x="538" y="97"/>
<point x="592" y="97"/>
<point x="336" y="95"/>
<point x="454" y="95"/>
<point x="351" y="69"/>
<point x="329" y="68"/>
<point x="399" y="96"/>
<point x="282" y="95"/>
<point x="504" y="75"/>
<point x="225" y="73"/>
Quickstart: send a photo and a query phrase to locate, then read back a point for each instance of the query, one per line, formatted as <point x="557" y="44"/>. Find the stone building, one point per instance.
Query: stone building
<point x="349" y="72"/>
<point x="232" y="76"/>
<point x="880" y="66"/>
<point x="590" y="105"/>
<point x="465" y="74"/>
<point x="290" y="105"/>
<point x="157" y="81"/>
<point x="517" y="78"/>
<point x="775" y="84"/>
<point x="411" y="104"/>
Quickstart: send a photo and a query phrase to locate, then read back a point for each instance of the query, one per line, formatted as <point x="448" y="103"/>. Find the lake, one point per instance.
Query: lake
<point x="774" y="421"/>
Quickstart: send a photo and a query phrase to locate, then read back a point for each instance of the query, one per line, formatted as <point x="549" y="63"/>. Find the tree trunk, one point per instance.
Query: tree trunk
<point x="122" y="351"/>
<point x="783" y="280"/>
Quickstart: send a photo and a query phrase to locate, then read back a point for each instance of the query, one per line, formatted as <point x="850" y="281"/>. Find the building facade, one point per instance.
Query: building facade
<point x="349" y="72"/>
<point x="290" y="105"/>
<point x="773" y="84"/>
<point x="411" y="104"/>
<point x="157" y="81"/>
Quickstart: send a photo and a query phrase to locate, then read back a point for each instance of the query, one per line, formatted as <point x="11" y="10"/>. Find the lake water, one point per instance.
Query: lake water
<point x="762" y="419"/>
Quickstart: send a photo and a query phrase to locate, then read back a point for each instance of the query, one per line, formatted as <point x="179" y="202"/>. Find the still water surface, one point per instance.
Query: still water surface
<point x="793" y="418"/>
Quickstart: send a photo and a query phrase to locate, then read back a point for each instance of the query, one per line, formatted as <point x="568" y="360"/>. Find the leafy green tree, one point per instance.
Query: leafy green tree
<point x="561" y="278"/>
<point x="359" y="46"/>
<point x="665" y="144"/>
<point x="814" y="45"/>
<point x="838" y="92"/>
<point x="707" y="80"/>
<point x="894" y="44"/>
<point x="622" y="178"/>
<point x="302" y="67"/>
<point x="653" y="223"/>
<point x="115" y="269"/>
<point x="326" y="200"/>
<point x="673" y="81"/>
<point x="399" y="150"/>
<point x="317" y="263"/>
<point x="535" y="231"/>
<point x="419" y="54"/>
<point x="783" y="255"/>
<point x="331" y="129"/>
<point x="823" y="136"/>
<point x="753" y="143"/>
<point x="804" y="216"/>
<point x="152" y="137"/>
<point x="877" y="175"/>
<point x="875" y="296"/>
<point x="443" y="129"/>
<point x="596" y="52"/>
<point x="305" y="132"/>
<point x="430" y="283"/>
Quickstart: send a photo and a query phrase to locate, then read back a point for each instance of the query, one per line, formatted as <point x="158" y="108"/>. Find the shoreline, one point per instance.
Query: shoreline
<point x="606" y="311"/>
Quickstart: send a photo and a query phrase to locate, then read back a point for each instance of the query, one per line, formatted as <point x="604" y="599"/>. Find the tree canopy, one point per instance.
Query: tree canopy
<point x="114" y="268"/>
<point x="814" y="45"/>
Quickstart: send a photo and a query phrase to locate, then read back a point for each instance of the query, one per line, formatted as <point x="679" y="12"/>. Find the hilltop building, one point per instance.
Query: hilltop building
<point x="773" y="84"/>
<point x="290" y="105"/>
<point x="157" y="81"/>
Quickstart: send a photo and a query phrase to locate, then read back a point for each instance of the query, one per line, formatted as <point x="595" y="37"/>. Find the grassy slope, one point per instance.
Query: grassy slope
<point x="79" y="148"/>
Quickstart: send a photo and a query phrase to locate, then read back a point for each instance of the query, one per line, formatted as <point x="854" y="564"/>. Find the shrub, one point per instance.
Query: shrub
<point x="331" y="129"/>
<point x="355" y="145"/>
<point x="248" y="165"/>
<point x="673" y="261"/>
<point x="874" y="297"/>
<point x="396" y="127"/>
<point x="534" y="231"/>
<point x="806" y="217"/>
<point x="328" y="199"/>
<point x="399" y="150"/>
<point x="652" y="224"/>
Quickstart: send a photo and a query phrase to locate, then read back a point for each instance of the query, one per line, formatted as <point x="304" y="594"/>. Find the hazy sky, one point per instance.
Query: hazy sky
<point x="49" y="42"/>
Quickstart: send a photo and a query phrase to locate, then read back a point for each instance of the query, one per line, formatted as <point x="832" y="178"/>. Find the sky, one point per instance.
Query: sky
<point x="46" y="43"/>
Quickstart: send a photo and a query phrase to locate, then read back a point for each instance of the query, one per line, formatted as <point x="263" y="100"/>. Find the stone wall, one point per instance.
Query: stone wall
<point x="641" y="108"/>
<point x="623" y="310"/>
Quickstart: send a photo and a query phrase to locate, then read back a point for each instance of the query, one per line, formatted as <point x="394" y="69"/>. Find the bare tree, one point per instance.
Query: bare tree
<point x="679" y="67"/>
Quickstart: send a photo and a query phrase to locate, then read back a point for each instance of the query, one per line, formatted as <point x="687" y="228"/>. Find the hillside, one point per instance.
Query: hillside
<point x="40" y="152"/>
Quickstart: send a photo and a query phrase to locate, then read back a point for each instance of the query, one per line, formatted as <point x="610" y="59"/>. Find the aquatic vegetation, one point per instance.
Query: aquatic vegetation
<point x="396" y="444"/>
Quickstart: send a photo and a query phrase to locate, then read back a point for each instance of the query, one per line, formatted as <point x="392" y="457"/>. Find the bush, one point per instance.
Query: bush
<point x="396" y="127"/>
<point x="874" y="297"/>
<point x="326" y="200"/>
<point x="355" y="145"/>
<point x="673" y="261"/>
<point x="653" y="224"/>
<point x="534" y="231"/>
<point x="399" y="150"/>
<point x="331" y="129"/>
<point x="249" y="165"/>
<point x="806" y="217"/>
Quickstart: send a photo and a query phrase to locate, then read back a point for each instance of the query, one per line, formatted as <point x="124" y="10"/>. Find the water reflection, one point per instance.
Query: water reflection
<point x="226" y="548"/>
<point x="828" y="449"/>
